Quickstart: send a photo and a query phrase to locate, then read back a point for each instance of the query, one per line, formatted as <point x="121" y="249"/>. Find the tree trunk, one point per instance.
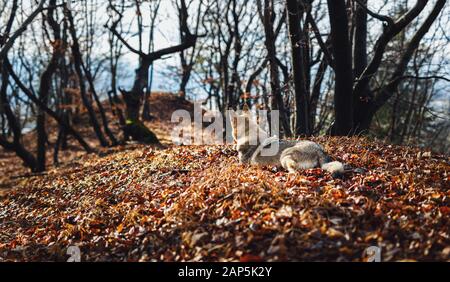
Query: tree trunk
<point x="45" y="87"/>
<point x="133" y="98"/>
<point x="302" y="126"/>
<point x="404" y="60"/>
<point x="134" y="128"/>
<point x="44" y="91"/>
<point x="101" y="110"/>
<point x="361" y="103"/>
<point x="315" y="94"/>
<point x="49" y="111"/>
<point x="387" y="90"/>
<point x="343" y="101"/>
<point x="277" y="99"/>
<point x="16" y="146"/>
<point x="365" y="108"/>
<point x="78" y="69"/>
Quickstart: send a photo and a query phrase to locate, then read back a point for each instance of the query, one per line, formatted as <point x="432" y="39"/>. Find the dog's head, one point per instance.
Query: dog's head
<point x="246" y="131"/>
<point x="245" y="126"/>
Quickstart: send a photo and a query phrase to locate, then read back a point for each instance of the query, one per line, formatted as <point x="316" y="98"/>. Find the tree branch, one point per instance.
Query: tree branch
<point x="190" y="41"/>
<point x="322" y="44"/>
<point x="21" y="29"/>
<point x="124" y="42"/>
<point x="44" y="107"/>
<point x="386" y="92"/>
<point x="383" y="18"/>
<point x="390" y="32"/>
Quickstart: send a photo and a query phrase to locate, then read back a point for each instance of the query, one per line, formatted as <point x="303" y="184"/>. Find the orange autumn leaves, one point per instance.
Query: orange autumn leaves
<point x="197" y="203"/>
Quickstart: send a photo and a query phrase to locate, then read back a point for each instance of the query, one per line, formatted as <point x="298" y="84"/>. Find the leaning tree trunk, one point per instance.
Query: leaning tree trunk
<point x="44" y="90"/>
<point x="49" y="111"/>
<point x="366" y="107"/>
<point x="78" y="69"/>
<point x="101" y="110"/>
<point x="45" y="87"/>
<point x="389" y="89"/>
<point x="15" y="146"/>
<point x="5" y="106"/>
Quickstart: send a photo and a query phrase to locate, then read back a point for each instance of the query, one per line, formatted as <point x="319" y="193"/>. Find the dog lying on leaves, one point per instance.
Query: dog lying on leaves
<point x="290" y="154"/>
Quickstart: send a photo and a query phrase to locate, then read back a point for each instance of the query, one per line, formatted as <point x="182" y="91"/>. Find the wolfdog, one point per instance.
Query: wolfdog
<point x="292" y="155"/>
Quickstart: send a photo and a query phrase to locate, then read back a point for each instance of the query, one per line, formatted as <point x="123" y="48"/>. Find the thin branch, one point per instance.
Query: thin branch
<point x="424" y="77"/>
<point x="21" y="29"/>
<point x="322" y="44"/>
<point x="44" y="107"/>
<point x="383" y="18"/>
<point x="124" y="42"/>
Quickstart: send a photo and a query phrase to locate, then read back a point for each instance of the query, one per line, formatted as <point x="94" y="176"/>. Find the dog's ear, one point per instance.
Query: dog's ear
<point x="233" y="116"/>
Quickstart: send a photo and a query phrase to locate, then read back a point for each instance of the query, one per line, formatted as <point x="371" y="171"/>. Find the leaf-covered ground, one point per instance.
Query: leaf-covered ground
<point x="188" y="203"/>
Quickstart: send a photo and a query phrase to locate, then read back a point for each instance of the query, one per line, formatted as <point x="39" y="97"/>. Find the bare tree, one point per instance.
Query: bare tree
<point x="134" y="128"/>
<point x="341" y="48"/>
<point x="267" y="15"/>
<point x="188" y="57"/>
<point x="298" y="43"/>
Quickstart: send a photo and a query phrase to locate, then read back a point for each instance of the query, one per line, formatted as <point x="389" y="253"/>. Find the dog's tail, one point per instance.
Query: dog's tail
<point x="334" y="167"/>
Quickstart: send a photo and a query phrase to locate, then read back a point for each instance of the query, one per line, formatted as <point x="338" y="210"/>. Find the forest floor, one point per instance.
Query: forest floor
<point x="197" y="203"/>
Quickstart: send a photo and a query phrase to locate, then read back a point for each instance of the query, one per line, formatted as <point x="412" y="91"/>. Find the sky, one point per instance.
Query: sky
<point x="166" y="35"/>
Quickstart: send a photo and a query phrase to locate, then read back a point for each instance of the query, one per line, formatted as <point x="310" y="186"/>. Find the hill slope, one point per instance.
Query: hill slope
<point x="161" y="104"/>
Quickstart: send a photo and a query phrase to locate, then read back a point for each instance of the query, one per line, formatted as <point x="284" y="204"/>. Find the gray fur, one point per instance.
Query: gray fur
<point x="291" y="155"/>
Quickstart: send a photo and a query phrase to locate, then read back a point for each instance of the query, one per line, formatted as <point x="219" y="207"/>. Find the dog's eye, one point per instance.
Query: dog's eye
<point x="243" y="148"/>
